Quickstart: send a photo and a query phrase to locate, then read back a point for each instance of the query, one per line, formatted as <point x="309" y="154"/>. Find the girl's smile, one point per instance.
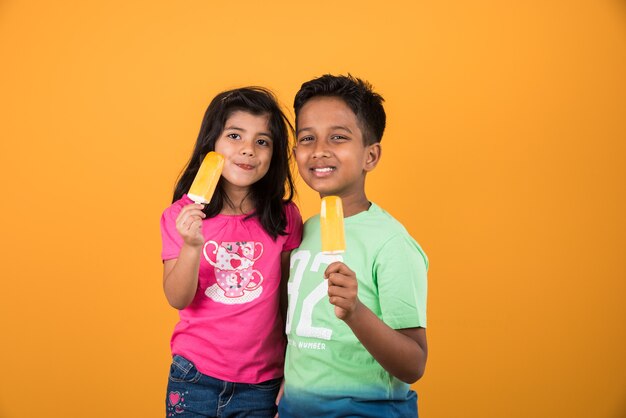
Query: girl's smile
<point x="246" y="146"/>
<point x="245" y="166"/>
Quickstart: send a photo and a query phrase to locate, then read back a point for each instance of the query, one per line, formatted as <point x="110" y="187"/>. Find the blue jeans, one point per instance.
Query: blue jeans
<point x="191" y="394"/>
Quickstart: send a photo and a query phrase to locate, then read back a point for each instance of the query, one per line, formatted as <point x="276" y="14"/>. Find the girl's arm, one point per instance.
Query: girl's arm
<point x="180" y="275"/>
<point x="285" y="258"/>
<point x="401" y="352"/>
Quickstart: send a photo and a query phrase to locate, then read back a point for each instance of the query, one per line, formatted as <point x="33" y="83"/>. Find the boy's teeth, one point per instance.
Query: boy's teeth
<point x="323" y="170"/>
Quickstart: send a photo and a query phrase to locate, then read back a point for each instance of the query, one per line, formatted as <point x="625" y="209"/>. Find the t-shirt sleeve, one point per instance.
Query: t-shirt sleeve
<point x="400" y="268"/>
<point x="171" y="240"/>
<point x="294" y="227"/>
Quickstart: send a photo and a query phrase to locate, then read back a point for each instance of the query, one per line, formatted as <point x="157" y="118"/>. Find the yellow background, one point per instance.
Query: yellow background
<point x="505" y="156"/>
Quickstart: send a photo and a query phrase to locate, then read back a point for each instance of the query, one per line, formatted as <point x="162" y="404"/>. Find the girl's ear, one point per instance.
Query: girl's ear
<point x="373" y="154"/>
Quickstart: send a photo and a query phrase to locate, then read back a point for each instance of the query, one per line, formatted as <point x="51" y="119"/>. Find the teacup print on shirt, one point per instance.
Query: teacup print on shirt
<point x="237" y="279"/>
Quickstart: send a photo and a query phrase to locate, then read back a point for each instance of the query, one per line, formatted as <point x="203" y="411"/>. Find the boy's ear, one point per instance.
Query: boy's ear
<point x="373" y="154"/>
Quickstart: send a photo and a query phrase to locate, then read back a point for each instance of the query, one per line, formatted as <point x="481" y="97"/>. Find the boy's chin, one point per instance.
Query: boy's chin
<point x="322" y="189"/>
<point x="328" y="188"/>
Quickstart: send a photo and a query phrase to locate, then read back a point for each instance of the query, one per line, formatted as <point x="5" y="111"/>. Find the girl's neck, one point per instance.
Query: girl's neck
<point x="239" y="202"/>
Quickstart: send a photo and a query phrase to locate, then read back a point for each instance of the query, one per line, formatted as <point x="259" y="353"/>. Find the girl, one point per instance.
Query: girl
<point x="223" y="263"/>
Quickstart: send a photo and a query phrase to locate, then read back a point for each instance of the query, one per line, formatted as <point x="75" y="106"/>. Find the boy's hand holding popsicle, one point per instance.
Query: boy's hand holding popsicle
<point x="342" y="290"/>
<point x="342" y="282"/>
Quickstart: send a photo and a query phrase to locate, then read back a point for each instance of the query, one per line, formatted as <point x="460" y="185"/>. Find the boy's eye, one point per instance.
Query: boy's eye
<point x="305" y="139"/>
<point x="234" y="136"/>
<point x="338" y="138"/>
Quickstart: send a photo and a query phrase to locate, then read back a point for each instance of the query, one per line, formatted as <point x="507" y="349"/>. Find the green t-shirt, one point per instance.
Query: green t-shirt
<point x="327" y="369"/>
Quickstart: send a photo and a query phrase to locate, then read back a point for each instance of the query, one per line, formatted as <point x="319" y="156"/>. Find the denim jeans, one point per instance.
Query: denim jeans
<point x="193" y="394"/>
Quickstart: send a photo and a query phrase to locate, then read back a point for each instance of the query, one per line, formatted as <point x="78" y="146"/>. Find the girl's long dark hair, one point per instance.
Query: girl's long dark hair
<point x="275" y="188"/>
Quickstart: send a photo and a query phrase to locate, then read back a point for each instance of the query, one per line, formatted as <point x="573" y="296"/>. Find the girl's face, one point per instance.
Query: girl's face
<point x="247" y="147"/>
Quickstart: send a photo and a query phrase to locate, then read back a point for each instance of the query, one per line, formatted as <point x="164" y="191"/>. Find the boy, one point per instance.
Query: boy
<point x="356" y="322"/>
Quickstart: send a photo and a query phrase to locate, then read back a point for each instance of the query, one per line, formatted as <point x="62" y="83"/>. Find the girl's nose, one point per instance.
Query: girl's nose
<point x="247" y="150"/>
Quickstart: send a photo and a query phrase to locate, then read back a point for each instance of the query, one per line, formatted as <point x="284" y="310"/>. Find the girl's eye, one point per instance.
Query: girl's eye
<point x="263" y="142"/>
<point x="234" y="136"/>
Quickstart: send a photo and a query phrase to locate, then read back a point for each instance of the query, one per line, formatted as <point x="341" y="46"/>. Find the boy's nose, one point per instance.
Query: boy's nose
<point x="321" y="150"/>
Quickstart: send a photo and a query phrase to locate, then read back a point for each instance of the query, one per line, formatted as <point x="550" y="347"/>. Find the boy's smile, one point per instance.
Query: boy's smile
<point x="330" y="152"/>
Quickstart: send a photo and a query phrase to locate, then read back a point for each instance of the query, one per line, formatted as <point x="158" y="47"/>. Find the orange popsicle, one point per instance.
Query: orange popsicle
<point x="331" y="224"/>
<point x="207" y="177"/>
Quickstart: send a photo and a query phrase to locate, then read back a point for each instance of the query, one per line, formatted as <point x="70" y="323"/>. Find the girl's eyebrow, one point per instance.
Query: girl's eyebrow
<point x="236" y="128"/>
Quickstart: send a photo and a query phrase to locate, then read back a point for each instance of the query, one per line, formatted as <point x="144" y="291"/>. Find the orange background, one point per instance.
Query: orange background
<point x="505" y="156"/>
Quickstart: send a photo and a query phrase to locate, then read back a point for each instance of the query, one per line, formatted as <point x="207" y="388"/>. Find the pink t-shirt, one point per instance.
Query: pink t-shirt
<point x="232" y="330"/>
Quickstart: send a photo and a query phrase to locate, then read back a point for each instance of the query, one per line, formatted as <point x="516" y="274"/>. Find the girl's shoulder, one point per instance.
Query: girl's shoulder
<point x="292" y="211"/>
<point x="294" y="222"/>
<point x="290" y="206"/>
<point x="174" y="209"/>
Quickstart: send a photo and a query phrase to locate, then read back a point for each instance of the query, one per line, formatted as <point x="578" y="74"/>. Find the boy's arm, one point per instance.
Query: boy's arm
<point x="401" y="352"/>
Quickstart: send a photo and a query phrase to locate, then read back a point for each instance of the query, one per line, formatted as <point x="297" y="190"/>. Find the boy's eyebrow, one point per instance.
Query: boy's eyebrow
<point x="236" y="128"/>
<point x="335" y="127"/>
<point x="345" y="128"/>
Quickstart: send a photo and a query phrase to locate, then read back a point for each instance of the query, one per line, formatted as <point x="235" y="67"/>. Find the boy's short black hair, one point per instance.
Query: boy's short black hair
<point x="358" y="95"/>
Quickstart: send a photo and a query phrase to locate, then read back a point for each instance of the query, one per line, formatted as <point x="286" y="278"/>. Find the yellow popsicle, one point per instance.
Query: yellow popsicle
<point x="207" y="177"/>
<point x="331" y="224"/>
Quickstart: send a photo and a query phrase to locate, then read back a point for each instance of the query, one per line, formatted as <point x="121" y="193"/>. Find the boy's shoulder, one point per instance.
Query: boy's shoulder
<point x="376" y="231"/>
<point x="376" y="224"/>
<point x="385" y="220"/>
<point x="389" y="235"/>
<point x="374" y="214"/>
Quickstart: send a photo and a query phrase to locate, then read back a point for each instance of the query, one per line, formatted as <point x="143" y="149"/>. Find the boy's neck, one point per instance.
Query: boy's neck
<point x="354" y="204"/>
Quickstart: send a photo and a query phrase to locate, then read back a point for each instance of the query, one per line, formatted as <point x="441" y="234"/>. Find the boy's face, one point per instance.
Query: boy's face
<point x="331" y="155"/>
